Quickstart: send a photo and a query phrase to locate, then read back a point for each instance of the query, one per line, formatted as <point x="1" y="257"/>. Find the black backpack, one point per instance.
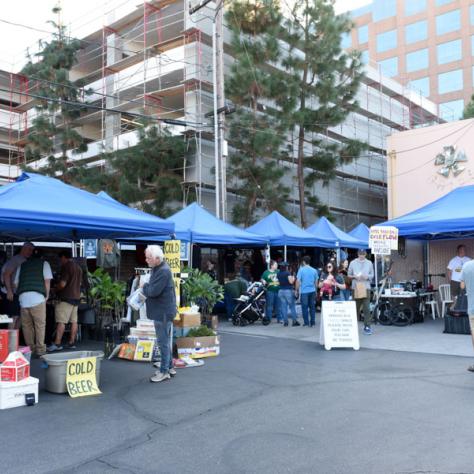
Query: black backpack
<point x="460" y="305"/>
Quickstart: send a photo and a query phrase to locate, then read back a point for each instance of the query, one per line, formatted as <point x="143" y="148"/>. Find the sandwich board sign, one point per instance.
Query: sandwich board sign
<point x="339" y="326"/>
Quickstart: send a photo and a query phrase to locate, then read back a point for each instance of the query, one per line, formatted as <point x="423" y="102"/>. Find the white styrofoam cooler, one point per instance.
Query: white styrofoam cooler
<point x="12" y="394"/>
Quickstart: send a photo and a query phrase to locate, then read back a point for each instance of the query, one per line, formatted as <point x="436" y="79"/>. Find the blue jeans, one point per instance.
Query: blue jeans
<point x="272" y="303"/>
<point x="308" y="302"/>
<point x="287" y="298"/>
<point x="164" y="335"/>
<point x="230" y="304"/>
<point x="346" y="294"/>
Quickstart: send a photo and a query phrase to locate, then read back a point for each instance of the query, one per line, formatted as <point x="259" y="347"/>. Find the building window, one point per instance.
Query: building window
<point x="452" y="110"/>
<point x="414" y="6"/>
<point x="422" y="86"/>
<point x="346" y="40"/>
<point x="416" y="32"/>
<point x="364" y="57"/>
<point x="448" y="52"/>
<point x="439" y="3"/>
<point x="363" y="34"/>
<point x="384" y="9"/>
<point x="450" y="81"/>
<point x="450" y="21"/>
<point x="386" y="41"/>
<point x="389" y="67"/>
<point x="417" y="60"/>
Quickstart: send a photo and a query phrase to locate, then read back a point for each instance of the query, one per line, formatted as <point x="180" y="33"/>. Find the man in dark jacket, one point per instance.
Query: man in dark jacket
<point x="161" y="307"/>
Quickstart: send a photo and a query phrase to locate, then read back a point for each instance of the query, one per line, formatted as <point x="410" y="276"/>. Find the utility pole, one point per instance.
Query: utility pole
<point x="218" y="104"/>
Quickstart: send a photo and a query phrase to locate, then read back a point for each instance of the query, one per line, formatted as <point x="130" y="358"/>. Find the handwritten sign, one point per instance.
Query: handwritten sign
<point x="339" y="325"/>
<point x="172" y="251"/>
<point x="81" y="380"/>
<point x="382" y="239"/>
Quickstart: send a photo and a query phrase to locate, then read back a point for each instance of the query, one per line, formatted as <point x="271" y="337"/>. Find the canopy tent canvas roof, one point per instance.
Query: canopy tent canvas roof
<point x="40" y="208"/>
<point x="361" y="232"/>
<point x="325" y="229"/>
<point x="451" y="216"/>
<point x="282" y="231"/>
<point x="197" y="225"/>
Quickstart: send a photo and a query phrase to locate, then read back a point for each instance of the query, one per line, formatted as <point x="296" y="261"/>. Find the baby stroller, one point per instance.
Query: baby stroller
<point x="250" y="306"/>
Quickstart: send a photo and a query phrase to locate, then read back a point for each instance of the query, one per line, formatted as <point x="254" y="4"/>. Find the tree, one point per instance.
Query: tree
<point x="469" y="110"/>
<point x="147" y="175"/>
<point x="255" y="134"/>
<point x="57" y="102"/>
<point x="322" y="83"/>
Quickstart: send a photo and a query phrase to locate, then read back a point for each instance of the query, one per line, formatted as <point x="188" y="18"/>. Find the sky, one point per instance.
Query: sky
<point x="78" y="15"/>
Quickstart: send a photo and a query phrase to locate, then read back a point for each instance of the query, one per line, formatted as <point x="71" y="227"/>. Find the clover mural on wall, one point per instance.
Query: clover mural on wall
<point x="450" y="160"/>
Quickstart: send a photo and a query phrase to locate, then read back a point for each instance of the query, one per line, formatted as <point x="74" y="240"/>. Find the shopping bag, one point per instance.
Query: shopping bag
<point x="360" y="291"/>
<point x="136" y="300"/>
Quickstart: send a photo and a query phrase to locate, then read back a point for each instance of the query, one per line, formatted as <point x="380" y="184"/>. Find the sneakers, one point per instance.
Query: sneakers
<point x="172" y="371"/>
<point x="368" y="330"/>
<point x="285" y="323"/>
<point x="71" y="345"/>
<point x="53" y="348"/>
<point x="296" y="323"/>
<point x="159" y="377"/>
<point x="471" y="368"/>
<point x="313" y="324"/>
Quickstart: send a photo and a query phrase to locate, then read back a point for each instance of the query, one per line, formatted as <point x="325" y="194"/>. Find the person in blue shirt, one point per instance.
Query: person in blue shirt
<point x="306" y="281"/>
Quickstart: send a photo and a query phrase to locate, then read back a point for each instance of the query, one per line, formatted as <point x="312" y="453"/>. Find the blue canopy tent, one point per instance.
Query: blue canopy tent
<point x="37" y="207"/>
<point x="449" y="217"/>
<point x="196" y="225"/>
<point x="361" y="232"/>
<point x="325" y="229"/>
<point x="282" y="232"/>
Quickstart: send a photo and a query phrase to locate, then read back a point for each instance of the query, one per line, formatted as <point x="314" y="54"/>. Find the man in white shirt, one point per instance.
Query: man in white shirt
<point x="33" y="280"/>
<point x="455" y="268"/>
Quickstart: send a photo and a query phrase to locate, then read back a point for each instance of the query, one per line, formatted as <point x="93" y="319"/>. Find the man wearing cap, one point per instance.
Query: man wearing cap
<point x="361" y="272"/>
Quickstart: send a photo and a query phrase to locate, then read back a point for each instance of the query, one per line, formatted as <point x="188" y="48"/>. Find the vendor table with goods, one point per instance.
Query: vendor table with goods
<point x="419" y="303"/>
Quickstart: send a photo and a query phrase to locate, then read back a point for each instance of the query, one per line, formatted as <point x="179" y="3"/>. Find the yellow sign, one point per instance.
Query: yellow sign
<point x="80" y="377"/>
<point x="144" y="350"/>
<point x="172" y="251"/>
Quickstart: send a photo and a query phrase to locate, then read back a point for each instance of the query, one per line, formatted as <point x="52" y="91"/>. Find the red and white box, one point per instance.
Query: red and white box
<point x="14" y="368"/>
<point x="8" y="342"/>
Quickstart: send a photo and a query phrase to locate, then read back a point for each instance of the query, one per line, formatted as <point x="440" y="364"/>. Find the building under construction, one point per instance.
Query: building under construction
<point x="157" y="60"/>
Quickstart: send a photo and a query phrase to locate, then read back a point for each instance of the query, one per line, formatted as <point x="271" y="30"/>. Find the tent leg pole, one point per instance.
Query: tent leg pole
<point x="190" y="255"/>
<point x="284" y="253"/>
<point x="376" y="274"/>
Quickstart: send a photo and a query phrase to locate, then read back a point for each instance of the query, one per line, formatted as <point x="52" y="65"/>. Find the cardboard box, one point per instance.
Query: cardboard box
<point x="188" y="320"/>
<point x="183" y="332"/>
<point x="12" y="394"/>
<point x="146" y="325"/>
<point x="9" y="341"/>
<point x="198" y="347"/>
<point x="14" y="368"/>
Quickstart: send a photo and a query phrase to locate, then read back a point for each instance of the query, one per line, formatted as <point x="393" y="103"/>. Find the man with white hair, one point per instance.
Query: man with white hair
<point x="161" y="308"/>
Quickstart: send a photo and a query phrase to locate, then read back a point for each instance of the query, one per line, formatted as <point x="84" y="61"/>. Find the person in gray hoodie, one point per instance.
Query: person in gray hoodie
<point x="161" y="308"/>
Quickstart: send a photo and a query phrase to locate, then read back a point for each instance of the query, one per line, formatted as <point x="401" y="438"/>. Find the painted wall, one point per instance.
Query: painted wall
<point x="413" y="177"/>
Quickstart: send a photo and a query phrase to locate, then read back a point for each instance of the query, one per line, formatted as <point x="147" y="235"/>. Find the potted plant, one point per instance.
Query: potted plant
<point x="108" y="297"/>
<point x="202" y="290"/>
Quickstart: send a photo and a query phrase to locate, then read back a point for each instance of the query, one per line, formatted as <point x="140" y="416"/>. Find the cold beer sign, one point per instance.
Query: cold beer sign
<point x="81" y="380"/>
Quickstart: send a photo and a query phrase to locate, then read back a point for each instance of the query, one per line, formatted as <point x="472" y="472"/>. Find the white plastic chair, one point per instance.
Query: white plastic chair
<point x="445" y="298"/>
<point x="434" y="307"/>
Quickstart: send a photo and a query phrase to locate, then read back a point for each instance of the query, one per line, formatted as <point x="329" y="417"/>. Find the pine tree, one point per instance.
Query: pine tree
<point x="58" y="102"/>
<point x="322" y="84"/>
<point x="147" y="175"/>
<point x="254" y="132"/>
<point x="469" y="110"/>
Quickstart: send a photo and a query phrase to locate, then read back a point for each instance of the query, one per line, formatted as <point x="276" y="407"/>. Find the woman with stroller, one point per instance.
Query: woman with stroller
<point x="286" y="294"/>
<point x="331" y="283"/>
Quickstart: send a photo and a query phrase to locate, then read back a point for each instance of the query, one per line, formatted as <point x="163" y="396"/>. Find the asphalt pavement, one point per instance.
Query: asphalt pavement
<point x="265" y="404"/>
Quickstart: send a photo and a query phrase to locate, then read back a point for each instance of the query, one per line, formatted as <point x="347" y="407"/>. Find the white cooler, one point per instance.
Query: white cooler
<point x="12" y="394"/>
